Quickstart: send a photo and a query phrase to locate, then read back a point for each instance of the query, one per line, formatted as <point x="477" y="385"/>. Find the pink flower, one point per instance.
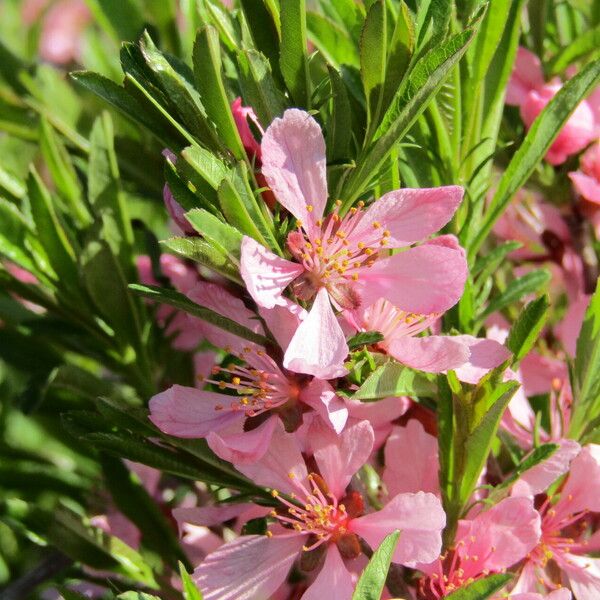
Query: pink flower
<point x="489" y="542"/>
<point x="62" y="29"/>
<point x="471" y="357"/>
<point x="528" y="90"/>
<point x="239" y="427"/>
<point x="242" y="115"/>
<point x="560" y="557"/>
<point x="343" y="260"/>
<point x="586" y="182"/>
<point x="319" y="520"/>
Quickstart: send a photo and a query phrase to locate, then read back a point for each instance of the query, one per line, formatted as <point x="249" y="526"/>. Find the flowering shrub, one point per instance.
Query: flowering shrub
<point x="299" y="300"/>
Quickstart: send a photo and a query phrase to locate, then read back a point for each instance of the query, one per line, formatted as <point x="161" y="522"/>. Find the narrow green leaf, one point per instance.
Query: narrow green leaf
<point x="527" y="327"/>
<point x="530" y="283"/>
<point x="263" y="30"/>
<point x="259" y="87"/>
<point x="209" y="79"/>
<point x="490" y="261"/>
<point x="224" y="236"/>
<point x="373" y="58"/>
<point x="205" y="253"/>
<point x="372" y="580"/>
<point x="586" y="371"/>
<point x="481" y="589"/>
<point x="334" y="42"/>
<point x="63" y="172"/>
<point x="340" y="132"/>
<point x="293" y="60"/>
<point x="393" y="379"/>
<point x="538" y="140"/>
<point x="206" y="164"/>
<point x="582" y="45"/>
<point x="123" y="19"/>
<point x="182" y="302"/>
<point x="365" y="338"/>
<point x="190" y="591"/>
<point x="12" y="235"/>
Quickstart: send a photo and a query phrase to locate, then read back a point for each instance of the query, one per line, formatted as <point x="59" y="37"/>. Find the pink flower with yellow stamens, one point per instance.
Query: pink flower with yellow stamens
<point x="342" y="261"/>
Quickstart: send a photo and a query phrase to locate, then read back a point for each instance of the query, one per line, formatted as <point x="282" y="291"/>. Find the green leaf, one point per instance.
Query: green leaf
<point x="518" y="288"/>
<point x="409" y="102"/>
<point x="538" y="140"/>
<point x="481" y="589"/>
<point x="123" y="19"/>
<point x="340" y="132"/>
<point x="225" y="237"/>
<point x="372" y="580"/>
<point x="293" y="60"/>
<point x="104" y="190"/>
<point x="182" y="302"/>
<point x="332" y="40"/>
<point x="51" y="233"/>
<point x="584" y="44"/>
<point x="190" y="591"/>
<point x="373" y="58"/>
<point x="206" y="164"/>
<point x="12" y="235"/>
<point x="487" y="264"/>
<point x="364" y="338"/>
<point x="586" y="371"/>
<point x="133" y="595"/>
<point x="258" y="86"/>
<point x="206" y="253"/>
<point x="63" y="172"/>
<point x="527" y="327"/>
<point x="393" y="379"/>
<point x="209" y="79"/>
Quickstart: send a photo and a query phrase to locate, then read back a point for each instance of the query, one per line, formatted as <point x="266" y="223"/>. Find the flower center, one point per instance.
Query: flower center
<point x="260" y="384"/>
<point x="335" y="256"/>
<point x="314" y="512"/>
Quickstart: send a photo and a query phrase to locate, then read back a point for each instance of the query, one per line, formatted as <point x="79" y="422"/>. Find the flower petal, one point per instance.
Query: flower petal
<point x="584" y="576"/>
<point x="411" y="215"/>
<point x="420" y="519"/>
<point x="190" y="413"/>
<point x="424" y="280"/>
<point x="282" y="459"/>
<point x="582" y="489"/>
<point x="265" y="274"/>
<point x="340" y="457"/>
<point x="433" y="354"/>
<point x="244" y="446"/>
<point x="293" y="163"/>
<point x="333" y="582"/>
<point x="248" y="568"/>
<point x="283" y="321"/>
<point x="484" y="355"/>
<point x="319" y="395"/>
<point x="318" y="347"/>
<point x="411" y="460"/>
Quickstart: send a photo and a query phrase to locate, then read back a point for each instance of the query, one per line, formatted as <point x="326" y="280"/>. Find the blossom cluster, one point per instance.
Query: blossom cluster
<point x="282" y="412"/>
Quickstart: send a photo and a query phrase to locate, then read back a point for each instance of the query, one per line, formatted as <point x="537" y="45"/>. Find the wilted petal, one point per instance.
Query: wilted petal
<point x="190" y="413"/>
<point x="334" y="581"/>
<point x="420" y="519"/>
<point x="318" y="347"/>
<point x="248" y="568"/>
<point x="293" y="163"/>
<point x="411" y="215"/>
<point x="265" y="274"/>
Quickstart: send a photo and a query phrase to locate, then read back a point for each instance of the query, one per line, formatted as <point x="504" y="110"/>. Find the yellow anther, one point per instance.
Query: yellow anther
<point x="341" y="234"/>
<point x="338" y="202"/>
<point x="369" y="251"/>
<point x="291" y="475"/>
<point x="310" y="207"/>
<point x="353" y="210"/>
<point x="361" y="245"/>
<point x="319" y="222"/>
<point x="274" y="493"/>
<point x="245" y="401"/>
<point x="376" y="225"/>
<point x="236" y="381"/>
<point x="387" y="233"/>
<point x="355" y="276"/>
<point x="268" y="534"/>
<point x="361" y="204"/>
<point x="222" y="385"/>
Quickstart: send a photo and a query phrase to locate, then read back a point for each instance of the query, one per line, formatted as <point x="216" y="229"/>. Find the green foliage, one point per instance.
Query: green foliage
<point x="481" y="589"/>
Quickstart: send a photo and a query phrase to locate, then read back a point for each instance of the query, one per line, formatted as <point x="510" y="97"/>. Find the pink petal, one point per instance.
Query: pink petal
<point x="411" y="461"/>
<point x="281" y="459"/>
<point x="244" y="446"/>
<point x="527" y="74"/>
<point x="248" y="568"/>
<point x="424" y="280"/>
<point x="340" y="457"/>
<point x="283" y="321"/>
<point x="420" y="519"/>
<point x="584" y="576"/>
<point x="411" y="215"/>
<point x="334" y="581"/>
<point x="190" y="413"/>
<point x="537" y="373"/>
<point x="485" y="355"/>
<point x="587" y="186"/>
<point x="265" y="274"/>
<point x="582" y="489"/>
<point x="527" y="581"/>
<point x="209" y="516"/>
<point x="502" y="535"/>
<point x="539" y="478"/>
<point x="62" y="31"/>
<point x="318" y="347"/>
<point x="433" y="354"/>
<point x="293" y="163"/>
<point x="319" y="395"/>
<point x="241" y="114"/>
<point x="177" y="212"/>
<point x="568" y="329"/>
<point x="560" y="594"/>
